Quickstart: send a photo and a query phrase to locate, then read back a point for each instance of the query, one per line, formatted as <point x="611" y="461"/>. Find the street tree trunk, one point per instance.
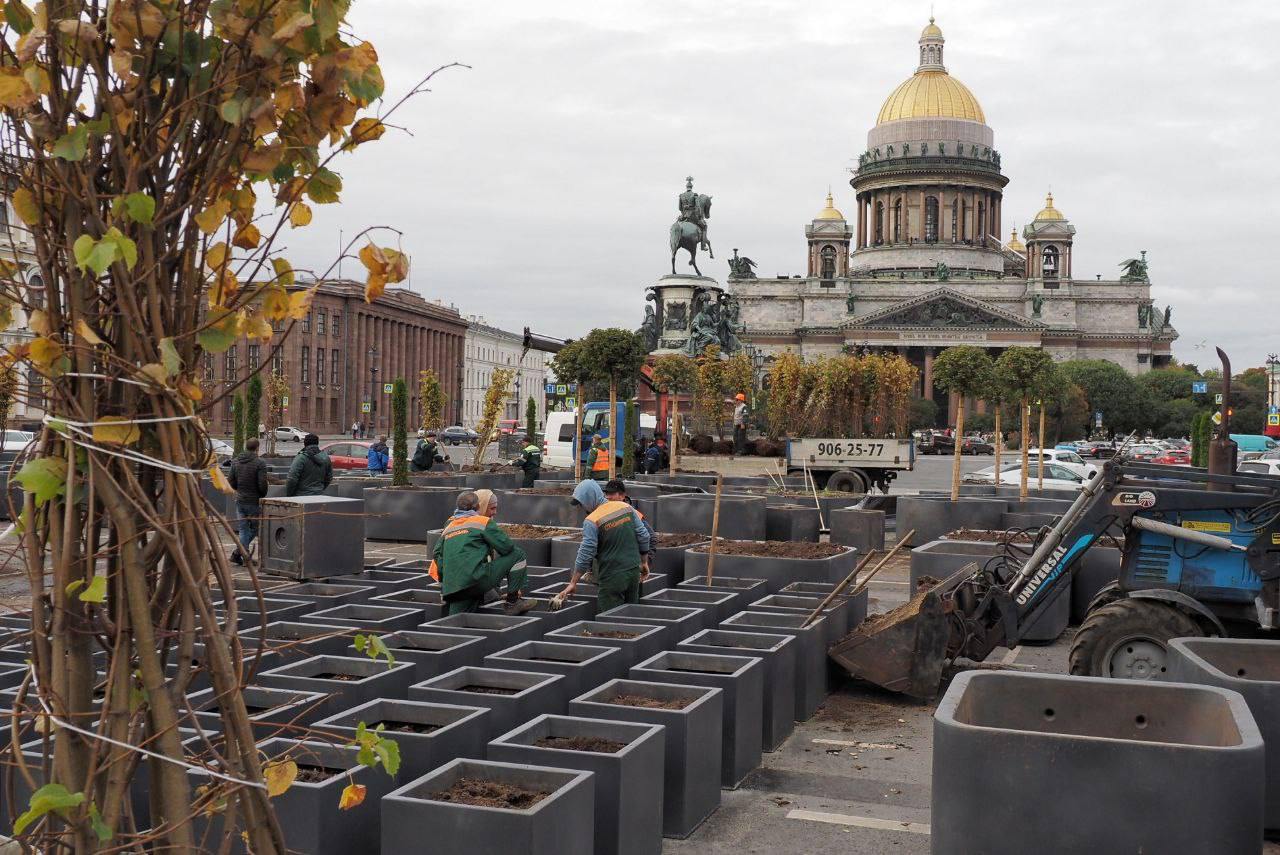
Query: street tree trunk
<point x="1022" y="443"/>
<point x="955" y="464"/>
<point x="1041" y="446"/>
<point x="675" y="437"/>
<point x="999" y="447"/>
<point x="613" y="428"/>
<point x="577" y="438"/>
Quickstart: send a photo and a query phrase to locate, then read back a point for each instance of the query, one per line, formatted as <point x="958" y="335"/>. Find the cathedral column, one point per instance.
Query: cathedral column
<point x="928" y="373"/>
<point x="858" y="242"/>
<point x="924" y="215"/>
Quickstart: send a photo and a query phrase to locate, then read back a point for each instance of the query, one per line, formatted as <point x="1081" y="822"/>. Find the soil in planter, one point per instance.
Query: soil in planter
<point x="651" y="703"/>
<point x="488" y="690"/>
<point x="406" y="726"/>
<point x="696" y="671"/>
<point x="775" y="549"/>
<point x="1022" y="538"/>
<point x="310" y="774"/>
<point x="547" y="491"/>
<point x="658" y="540"/>
<point x="534" y="532"/>
<point x="333" y="675"/>
<point x="474" y="791"/>
<point x="488" y="467"/>
<point x="594" y="744"/>
<point x="608" y="633"/>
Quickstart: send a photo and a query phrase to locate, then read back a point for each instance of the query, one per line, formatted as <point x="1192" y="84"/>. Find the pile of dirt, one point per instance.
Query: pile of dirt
<point x="594" y="744"/>
<point x="907" y="610"/>
<point x="766" y="447"/>
<point x="924" y="583"/>
<point x="407" y="726"/>
<point x="488" y="690"/>
<point x="775" y="549"/>
<point x="607" y="633"/>
<point x="722" y="446"/>
<point x="535" y="532"/>
<point x="701" y="444"/>
<point x="667" y="541"/>
<point x="651" y="703"/>
<point x="473" y="791"/>
<point x="547" y="491"/>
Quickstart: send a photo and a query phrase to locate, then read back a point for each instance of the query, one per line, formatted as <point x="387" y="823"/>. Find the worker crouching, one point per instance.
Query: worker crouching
<point x="615" y="537"/>
<point x="474" y="555"/>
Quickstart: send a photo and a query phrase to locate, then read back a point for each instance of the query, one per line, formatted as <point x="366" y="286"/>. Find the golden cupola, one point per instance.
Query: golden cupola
<point x="931" y="92"/>
<point x="1049" y="213"/>
<point x="830" y="212"/>
<point x="1015" y="244"/>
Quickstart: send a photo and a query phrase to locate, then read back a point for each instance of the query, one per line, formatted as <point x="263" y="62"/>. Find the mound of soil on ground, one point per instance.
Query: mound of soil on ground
<point x="722" y="446"/>
<point x="775" y="549"/>
<point x="651" y="703"/>
<point x="664" y="541"/>
<point x="473" y="791"/>
<point x="701" y="444"/>
<point x="581" y="743"/>
<point x="530" y="532"/>
<point x="547" y="491"/>
<point x="766" y="447"/>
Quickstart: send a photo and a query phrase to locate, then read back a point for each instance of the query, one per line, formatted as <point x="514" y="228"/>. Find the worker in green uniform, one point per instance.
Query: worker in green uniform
<point x="530" y="461"/>
<point x="598" y="458"/>
<point x="474" y="555"/>
<point x="615" y="537"/>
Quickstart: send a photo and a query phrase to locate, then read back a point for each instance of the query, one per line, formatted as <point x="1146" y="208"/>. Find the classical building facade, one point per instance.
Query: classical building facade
<point x="344" y="352"/>
<point x="488" y="349"/>
<point x="16" y="247"/>
<point x="921" y="265"/>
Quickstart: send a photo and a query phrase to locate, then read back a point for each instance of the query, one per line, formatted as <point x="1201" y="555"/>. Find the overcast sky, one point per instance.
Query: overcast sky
<point x="538" y="186"/>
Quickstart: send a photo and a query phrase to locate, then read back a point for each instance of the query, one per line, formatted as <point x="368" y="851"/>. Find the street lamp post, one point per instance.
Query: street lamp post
<point x="373" y="390"/>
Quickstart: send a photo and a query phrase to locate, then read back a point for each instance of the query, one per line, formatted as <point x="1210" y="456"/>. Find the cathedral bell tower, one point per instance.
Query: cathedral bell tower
<point x="1049" y="237"/>
<point x="829" y="235"/>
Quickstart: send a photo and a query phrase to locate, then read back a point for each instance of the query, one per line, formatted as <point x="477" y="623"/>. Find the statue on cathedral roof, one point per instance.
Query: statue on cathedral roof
<point x="1135" y="269"/>
<point x="740" y="266"/>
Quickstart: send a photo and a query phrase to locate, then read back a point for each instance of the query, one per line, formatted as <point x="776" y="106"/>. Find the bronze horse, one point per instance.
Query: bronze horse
<point x="686" y="235"/>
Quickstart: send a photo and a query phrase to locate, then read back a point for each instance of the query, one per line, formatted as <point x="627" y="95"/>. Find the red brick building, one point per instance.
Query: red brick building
<point x="344" y="352"/>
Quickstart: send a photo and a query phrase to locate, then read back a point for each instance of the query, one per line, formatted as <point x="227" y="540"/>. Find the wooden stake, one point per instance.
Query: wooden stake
<point x="1040" y="473"/>
<point x="577" y="438"/>
<point x="615" y="441"/>
<point x="813" y="485"/>
<point x="715" y="530"/>
<point x="862" y="585"/>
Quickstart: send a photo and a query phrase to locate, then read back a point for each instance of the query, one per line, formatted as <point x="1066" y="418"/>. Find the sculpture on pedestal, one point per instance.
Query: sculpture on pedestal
<point x="740" y="266"/>
<point x="1037" y="302"/>
<point x="729" y="324"/>
<point x="689" y="231"/>
<point x="1135" y="269"/>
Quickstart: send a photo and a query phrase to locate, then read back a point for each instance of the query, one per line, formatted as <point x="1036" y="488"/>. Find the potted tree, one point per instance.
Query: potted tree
<point x="966" y="371"/>
<point x="1021" y="371"/>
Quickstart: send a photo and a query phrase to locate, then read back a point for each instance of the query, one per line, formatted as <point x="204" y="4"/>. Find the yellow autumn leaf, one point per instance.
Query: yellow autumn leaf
<point x="225" y="285"/>
<point x="372" y="258"/>
<point x="352" y="796"/>
<point x="15" y="92"/>
<point x="294" y="25"/>
<point x="257" y="326"/>
<point x="300" y="215"/>
<point x="211" y="217"/>
<point x="247" y="237"/>
<point x="216" y="255"/>
<point x="156" y="373"/>
<point x="397" y="265"/>
<point x="374" y="286"/>
<point x="264" y="158"/>
<point x="275" y="304"/>
<point x="24" y="203"/>
<point x="191" y="390"/>
<point x="278" y="777"/>
<point x="86" y="332"/>
<point x="284" y="271"/>
<point x="116" y="430"/>
<point x="365" y="130"/>
<point x="300" y="304"/>
<point x="45" y="351"/>
<point x="38" y="322"/>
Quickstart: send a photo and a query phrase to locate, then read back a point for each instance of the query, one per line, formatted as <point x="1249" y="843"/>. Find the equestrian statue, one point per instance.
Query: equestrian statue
<point x="689" y="231"/>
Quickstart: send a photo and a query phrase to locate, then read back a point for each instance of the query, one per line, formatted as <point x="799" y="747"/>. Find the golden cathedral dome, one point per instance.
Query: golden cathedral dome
<point x="930" y="94"/>
<point x="830" y="212"/>
<point x="931" y="30"/>
<point x="1049" y="213"/>
<point x="1015" y="244"/>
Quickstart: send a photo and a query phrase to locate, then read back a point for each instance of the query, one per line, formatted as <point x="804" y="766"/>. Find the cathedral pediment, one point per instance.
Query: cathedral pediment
<point x="944" y="308"/>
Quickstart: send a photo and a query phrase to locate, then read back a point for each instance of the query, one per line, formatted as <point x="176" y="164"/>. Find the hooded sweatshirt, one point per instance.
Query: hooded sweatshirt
<point x="613" y="534"/>
<point x="310" y="473"/>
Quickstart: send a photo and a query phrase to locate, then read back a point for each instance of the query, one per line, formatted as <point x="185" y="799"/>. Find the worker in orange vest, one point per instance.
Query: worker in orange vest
<point x="598" y="458"/>
<point x="474" y="556"/>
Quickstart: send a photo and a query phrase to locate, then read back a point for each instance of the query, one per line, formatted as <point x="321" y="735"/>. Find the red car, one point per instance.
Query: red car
<point x="348" y="454"/>
<point x="1174" y="457"/>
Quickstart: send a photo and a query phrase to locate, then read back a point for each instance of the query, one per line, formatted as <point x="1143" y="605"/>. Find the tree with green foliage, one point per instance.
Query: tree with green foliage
<point x="1021" y="372"/>
<point x="237" y="424"/>
<point x="1110" y="390"/>
<point x="253" y="406"/>
<point x="674" y="374"/>
<point x="530" y="420"/>
<point x="399" y="433"/>
<point x="614" y="356"/>
<point x="966" y="371"/>
<point x="431" y="400"/>
<point x="923" y="415"/>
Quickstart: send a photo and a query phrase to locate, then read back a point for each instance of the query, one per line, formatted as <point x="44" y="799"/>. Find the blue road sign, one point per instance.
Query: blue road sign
<point x="1199" y="387"/>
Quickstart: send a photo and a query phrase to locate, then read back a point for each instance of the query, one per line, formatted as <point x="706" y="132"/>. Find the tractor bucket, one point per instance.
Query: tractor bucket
<point x="902" y="650"/>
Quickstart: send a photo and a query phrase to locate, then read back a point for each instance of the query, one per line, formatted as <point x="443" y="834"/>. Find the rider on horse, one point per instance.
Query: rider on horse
<point x="691" y="211"/>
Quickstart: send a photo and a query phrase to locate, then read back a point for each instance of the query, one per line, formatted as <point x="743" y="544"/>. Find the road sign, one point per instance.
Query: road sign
<point x="1217" y="418"/>
<point x="1217" y="399"/>
<point x="1097" y="419"/>
<point x="284" y="401"/>
<point x="571" y="403"/>
<point x="550" y="388"/>
<point x="1199" y="387"/>
<point x="364" y="408"/>
<point x="1273" y="419"/>
<point x="386" y="388"/>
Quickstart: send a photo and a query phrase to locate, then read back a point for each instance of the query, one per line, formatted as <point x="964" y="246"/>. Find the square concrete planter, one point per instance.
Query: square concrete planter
<point x="583" y="666"/>
<point x="741" y="517"/>
<point x="297" y="640"/>
<point x="715" y="605"/>
<point x="368" y="617"/>
<point x="407" y="513"/>
<point x="812" y="589"/>
<point x="347" y="680"/>
<point x="795" y="523"/>
<point x="1250" y="667"/>
<point x="326" y="594"/>
<point x="498" y="631"/>
<point x="683" y="622"/>
<point x="387" y="580"/>
<point x="562" y="823"/>
<point x="941" y="558"/>
<point x="812" y="671"/>
<point x="778" y="656"/>
<point x="745" y="589"/>
<point x="495" y="481"/>
<point x="776" y="571"/>
<point x="836" y="612"/>
<point x="571" y="611"/>
<point x="430" y="653"/>
<point x="520" y="506"/>
<point x="667" y="560"/>
<point x="1151" y="767"/>
<point x="428" y="735"/>
<point x="691" y="768"/>
<point x="512" y="697"/>
<point x="636" y="641"/>
<point x="628" y="781"/>
<point x="250" y="611"/>
<point x="742" y="680"/>
<point x="272" y="712"/>
<point x="933" y="516"/>
<point x="426" y="601"/>
<point x="859" y="528"/>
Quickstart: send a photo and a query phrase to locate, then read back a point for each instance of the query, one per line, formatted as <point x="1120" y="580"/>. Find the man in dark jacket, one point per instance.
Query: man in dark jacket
<point x="311" y="471"/>
<point x="249" y="478"/>
<point x="426" y="454"/>
<point x="530" y="461"/>
<point x="379" y="456"/>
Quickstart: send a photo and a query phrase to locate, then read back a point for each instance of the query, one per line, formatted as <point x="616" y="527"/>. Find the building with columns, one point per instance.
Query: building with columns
<point x="921" y="266"/>
<point x="489" y="348"/>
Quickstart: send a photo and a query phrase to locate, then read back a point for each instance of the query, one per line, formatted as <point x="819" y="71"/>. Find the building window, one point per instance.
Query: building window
<point x="337" y="323"/>
<point x="981" y="231"/>
<point x="333" y="375"/>
<point x="321" y="322"/>
<point x="320" y="366"/>
<point x="277" y="359"/>
<point x="306" y="365"/>
<point x="208" y="366"/>
<point x="229" y="369"/>
<point x="879" y="223"/>
<point x="828" y="262"/>
<point x="278" y="325"/>
<point x="333" y="410"/>
<point x="306" y="323"/>
<point x="254" y="352"/>
<point x="931" y="219"/>
<point x="1049" y="262"/>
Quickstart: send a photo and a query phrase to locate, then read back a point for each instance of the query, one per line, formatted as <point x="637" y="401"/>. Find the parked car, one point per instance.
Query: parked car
<point x="16" y="440"/>
<point x="220" y="449"/>
<point x="457" y="435"/>
<point x="1069" y="459"/>
<point x="1174" y="457"/>
<point x="290" y="434"/>
<point x="976" y="445"/>
<point x="1143" y="452"/>
<point x="1259" y="467"/>
<point x="1055" y="475"/>
<point x="349" y="454"/>
<point x="931" y="442"/>
<point x="1077" y="447"/>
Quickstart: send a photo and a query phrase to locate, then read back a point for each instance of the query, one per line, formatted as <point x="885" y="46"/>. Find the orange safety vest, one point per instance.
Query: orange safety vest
<point x="601" y="463"/>
<point x="453" y="528"/>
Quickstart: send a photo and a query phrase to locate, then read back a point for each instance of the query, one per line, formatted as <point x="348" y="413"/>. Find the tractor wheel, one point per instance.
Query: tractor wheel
<point x="1128" y="639"/>
<point x="847" y="481"/>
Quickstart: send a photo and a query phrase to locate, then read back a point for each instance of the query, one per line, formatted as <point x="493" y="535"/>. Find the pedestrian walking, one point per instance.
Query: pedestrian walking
<point x="474" y="555"/>
<point x="379" y="456"/>
<point x="355" y="430"/>
<point x="249" y="479"/>
<point x="311" y="471"/>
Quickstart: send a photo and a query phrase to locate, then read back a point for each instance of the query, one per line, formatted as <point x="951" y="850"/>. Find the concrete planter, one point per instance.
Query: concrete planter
<point x="272" y="712"/>
<point x="589" y="593"/>
<point x="498" y="631"/>
<point x="745" y="590"/>
<point x="665" y="560"/>
<point x="429" y="735"/>
<point x="427" y="602"/>
<point x="517" y="506"/>
<point x="776" y="571"/>
<point x="861" y="529"/>
<point x="250" y="611"/>
<point x="715" y="605"/>
<point x="494" y="480"/>
<point x="357" y="679"/>
<point x="326" y="594"/>
<point x="387" y="580"/>
<point x="742" y="680"/>
<point x="353" y="488"/>
<point x="531" y="694"/>
<point x="934" y="516"/>
<point x="407" y="513"/>
<point x="791" y="522"/>
<point x="828" y="503"/>
<point x="1025" y="522"/>
<point x="812" y="673"/>
<point x="1250" y="667"/>
<point x="777" y="654"/>
<point x="1152" y="767"/>
<point x="741" y="517"/>
<point x="628" y="782"/>
<point x="430" y="653"/>
<point x="837" y="612"/>
<point x="571" y="612"/>
<point x="811" y="589"/>
<point x="683" y="622"/>
<point x="682" y="479"/>
<point x="583" y="666"/>
<point x="560" y="824"/>
<point x="641" y="641"/>
<point x="437" y="479"/>
<point x="691" y="768"/>
<point x="368" y="617"/>
<point x="564" y="551"/>
<point x="297" y="640"/>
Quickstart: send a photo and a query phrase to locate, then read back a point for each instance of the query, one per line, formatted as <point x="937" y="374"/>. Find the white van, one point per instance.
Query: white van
<point x="557" y="445"/>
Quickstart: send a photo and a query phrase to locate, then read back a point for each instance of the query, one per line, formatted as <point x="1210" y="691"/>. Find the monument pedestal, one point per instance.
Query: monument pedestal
<point x="679" y="299"/>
